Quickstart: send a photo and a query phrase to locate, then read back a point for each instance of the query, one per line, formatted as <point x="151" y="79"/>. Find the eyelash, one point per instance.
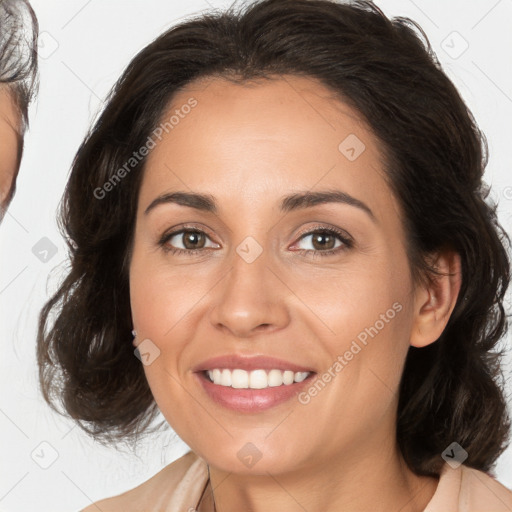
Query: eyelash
<point x="347" y="242"/>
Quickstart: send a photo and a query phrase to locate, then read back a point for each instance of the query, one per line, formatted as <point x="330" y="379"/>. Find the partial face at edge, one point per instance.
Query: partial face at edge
<point x="248" y="146"/>
<point x="10" y="129"/>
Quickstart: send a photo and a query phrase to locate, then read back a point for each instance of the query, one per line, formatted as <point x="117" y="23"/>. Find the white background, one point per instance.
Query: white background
<point x="85" y="45"/>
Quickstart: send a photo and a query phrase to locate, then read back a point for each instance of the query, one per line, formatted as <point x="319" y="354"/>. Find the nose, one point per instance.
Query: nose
<point x="250" y="299"/>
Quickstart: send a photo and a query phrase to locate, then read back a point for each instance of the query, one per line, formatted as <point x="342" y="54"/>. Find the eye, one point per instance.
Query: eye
<point x="323" y="242"/>
<point x="192" y="241"/>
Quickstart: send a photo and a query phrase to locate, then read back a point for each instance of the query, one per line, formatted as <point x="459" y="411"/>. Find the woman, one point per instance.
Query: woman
<point x="284" y="207"/>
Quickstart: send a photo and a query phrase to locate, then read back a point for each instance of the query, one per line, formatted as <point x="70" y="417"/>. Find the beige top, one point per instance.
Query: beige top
<point x="179" y="486"/>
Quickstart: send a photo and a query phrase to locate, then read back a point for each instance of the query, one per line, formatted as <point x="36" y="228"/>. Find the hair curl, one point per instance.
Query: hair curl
<point x="434" y="155"/>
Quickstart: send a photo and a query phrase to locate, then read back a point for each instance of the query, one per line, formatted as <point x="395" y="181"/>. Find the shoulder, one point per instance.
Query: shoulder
<point x="469" y="490"/>
<point x="480" y="491"/>
<point x="178" y="486"/>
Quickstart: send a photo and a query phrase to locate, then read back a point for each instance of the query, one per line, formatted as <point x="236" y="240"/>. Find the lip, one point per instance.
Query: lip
<point x="248" y="363"/>
<point x="250" y="400"/>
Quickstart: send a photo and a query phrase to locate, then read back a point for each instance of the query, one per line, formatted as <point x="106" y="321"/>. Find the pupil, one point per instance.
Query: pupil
<point x="191" y="236"/>
<point x="323" y="236"/>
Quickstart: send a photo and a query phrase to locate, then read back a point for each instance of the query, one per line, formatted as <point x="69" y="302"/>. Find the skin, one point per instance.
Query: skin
<point x="248" y="145"/>
<point x="10" y="135"/>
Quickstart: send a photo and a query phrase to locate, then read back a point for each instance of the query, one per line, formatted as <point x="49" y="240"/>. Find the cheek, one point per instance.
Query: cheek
<point x="158" y="303"/>
<point x="159" y="296"/>
<point x="147" y="298"/>
<point x="349" y="301"/>
<point x="369" y="316"/>
<point x="165" y="302"/>
<point x="8" y="168"/>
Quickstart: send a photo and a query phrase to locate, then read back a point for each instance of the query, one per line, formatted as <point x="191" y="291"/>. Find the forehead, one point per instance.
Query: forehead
<point x="263" y="137"/>
<point x="270" y="108"/>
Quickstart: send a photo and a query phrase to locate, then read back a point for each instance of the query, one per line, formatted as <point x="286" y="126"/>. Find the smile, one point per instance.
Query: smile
<point x="266" y="394"/>
<point x="255" y="379"/>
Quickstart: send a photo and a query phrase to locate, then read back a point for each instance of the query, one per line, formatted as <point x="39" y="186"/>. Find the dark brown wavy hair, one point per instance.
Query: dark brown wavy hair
<point x="434" y="156"/>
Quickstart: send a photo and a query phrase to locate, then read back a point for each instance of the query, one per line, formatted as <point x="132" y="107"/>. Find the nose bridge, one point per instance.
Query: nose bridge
<point x="250" y="296"/>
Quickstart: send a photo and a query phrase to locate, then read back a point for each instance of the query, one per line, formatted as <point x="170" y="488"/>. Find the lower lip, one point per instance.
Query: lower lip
<point x="251" y="400"/>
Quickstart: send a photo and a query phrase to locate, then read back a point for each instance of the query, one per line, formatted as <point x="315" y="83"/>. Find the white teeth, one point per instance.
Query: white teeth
<point x="288" y="377"/>
<point x="256" y="379"/>
<point x="275" y="378"/>
<point x="239" y="379"/>
<point x="225" y="378"/>
<point x="300" y="376"/>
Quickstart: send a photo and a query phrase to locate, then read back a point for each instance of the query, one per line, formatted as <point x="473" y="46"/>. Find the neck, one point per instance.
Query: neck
<point x="365" y="480"/>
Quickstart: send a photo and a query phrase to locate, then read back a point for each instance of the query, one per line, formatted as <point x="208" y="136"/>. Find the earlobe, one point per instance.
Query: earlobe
<point x="435" y="300"/>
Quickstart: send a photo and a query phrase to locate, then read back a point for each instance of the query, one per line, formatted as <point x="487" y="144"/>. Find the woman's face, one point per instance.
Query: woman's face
<point x="248" y="290"/>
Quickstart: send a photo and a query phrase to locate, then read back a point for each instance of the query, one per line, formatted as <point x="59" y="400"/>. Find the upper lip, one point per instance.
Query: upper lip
<point x="249" y="363"/>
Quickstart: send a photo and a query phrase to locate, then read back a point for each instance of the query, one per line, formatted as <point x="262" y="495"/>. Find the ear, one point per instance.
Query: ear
<point x="434" y="302"/>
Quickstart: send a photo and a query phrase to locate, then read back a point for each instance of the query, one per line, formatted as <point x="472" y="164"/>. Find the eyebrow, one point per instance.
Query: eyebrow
<point x="293" y="202"/>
